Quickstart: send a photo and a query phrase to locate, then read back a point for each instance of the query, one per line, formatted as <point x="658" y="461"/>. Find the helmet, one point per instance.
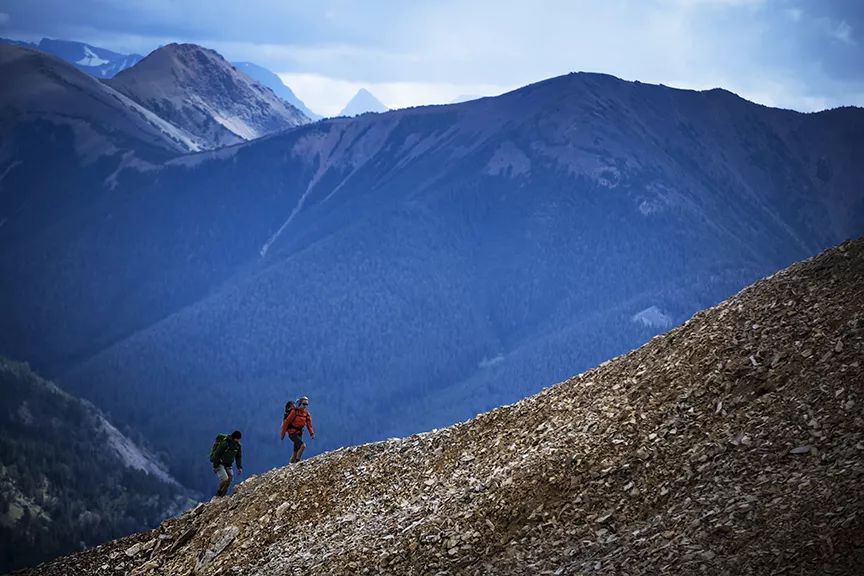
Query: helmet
<point x="303" y="401"/>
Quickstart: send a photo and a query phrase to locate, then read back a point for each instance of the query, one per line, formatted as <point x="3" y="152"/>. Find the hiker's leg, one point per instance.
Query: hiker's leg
<point x="224" y="479"/>
<point x="300" y="451"/>
<point x="230" y="473"/>
<point x="298" y="443"/>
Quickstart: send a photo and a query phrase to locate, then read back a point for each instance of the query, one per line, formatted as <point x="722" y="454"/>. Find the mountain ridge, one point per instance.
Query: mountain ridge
<point x="274" y="82"/>
<point x="93" y="60"/>
<point x="196" y="89"/>
<point x="41" y="91"/>
<point x="424" y="264"/>
<point x="731" y="444"/>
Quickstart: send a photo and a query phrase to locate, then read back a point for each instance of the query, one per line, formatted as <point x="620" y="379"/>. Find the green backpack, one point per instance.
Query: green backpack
<point x="220" y="439"/>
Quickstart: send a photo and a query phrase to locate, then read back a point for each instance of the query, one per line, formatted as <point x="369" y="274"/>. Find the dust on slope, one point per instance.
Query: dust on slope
<point x="732" y="445"/>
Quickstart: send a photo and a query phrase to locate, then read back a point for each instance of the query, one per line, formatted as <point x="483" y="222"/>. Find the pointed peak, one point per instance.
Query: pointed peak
<point x="186" y="50"/>
<point x="362" y="102"/>
<point x="199" y="91"/>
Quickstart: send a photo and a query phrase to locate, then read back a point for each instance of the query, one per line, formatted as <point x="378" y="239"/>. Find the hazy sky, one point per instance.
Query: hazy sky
<point x="802" y="54"/>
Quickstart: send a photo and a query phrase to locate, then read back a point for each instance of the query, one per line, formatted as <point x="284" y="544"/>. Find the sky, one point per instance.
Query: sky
<point x="801" y="54"/>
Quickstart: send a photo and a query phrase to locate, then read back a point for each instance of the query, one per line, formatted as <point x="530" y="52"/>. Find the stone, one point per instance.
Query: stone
<point x="134" y="549"/>
<point x="221" y="540"/>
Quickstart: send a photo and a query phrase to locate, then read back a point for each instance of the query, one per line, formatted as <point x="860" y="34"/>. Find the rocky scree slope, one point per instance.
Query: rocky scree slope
<point x="197" y="90"/>
<point x="731" y="445"/>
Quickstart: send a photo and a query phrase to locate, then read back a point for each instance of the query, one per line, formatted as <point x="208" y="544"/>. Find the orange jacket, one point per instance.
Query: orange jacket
<point x="295" y="421"/>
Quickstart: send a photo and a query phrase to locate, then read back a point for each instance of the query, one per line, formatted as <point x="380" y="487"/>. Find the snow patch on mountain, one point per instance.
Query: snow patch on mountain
<point x="90" y="59"/>
<point x="653" y="317"/>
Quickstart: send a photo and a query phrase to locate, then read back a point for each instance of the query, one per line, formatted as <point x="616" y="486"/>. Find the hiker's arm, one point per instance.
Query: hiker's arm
<point x="309" y="425"/>
<point x="240" y="458"/>
<point x="284" y="429"/>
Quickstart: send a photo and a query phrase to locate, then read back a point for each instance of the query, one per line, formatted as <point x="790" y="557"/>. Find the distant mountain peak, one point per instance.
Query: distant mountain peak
<point x="53" y="89"/>
<point x="179" y="54"/>
<point x="362" y="102"/>
<point x="274" y="82"/>
<point x="93" y="60"/>
<point x="196" y="89"/>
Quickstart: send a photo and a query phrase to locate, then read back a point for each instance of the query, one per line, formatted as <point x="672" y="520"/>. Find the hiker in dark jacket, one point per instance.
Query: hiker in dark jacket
<point x="223" y="458"/>
<point x="293" y="426"/>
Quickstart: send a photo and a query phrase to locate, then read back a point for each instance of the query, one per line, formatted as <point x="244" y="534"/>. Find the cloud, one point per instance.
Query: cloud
<point x="839" y="30"/>
<point x="842" y="31"/>
<point x="405" y="51"/>
<point x="328" y="96"/>
<point x="718" y="3"/>
<point x="794" y="14"/>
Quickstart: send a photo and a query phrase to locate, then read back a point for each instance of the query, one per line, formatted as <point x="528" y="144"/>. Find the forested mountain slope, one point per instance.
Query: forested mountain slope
<point x="731" y="445"/>
<point x="69" y="478"/>
<point x="409" y="269"/>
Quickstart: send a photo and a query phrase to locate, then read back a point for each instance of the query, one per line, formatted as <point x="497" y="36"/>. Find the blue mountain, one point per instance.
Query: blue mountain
<point x="406" y="270"/>
<point x="198" y="91"/>
<point x="91" y="59"/>
<point x="362" y="102"/>
<point x="269" y="79"/>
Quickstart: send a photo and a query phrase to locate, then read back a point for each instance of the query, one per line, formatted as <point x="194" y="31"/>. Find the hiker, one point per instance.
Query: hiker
<point x="293" y="425"/>
<point x="226" y="449"/>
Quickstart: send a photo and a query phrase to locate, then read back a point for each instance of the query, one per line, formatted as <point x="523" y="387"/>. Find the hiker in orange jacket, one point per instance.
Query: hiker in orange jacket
<point x="293" y="424"/>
